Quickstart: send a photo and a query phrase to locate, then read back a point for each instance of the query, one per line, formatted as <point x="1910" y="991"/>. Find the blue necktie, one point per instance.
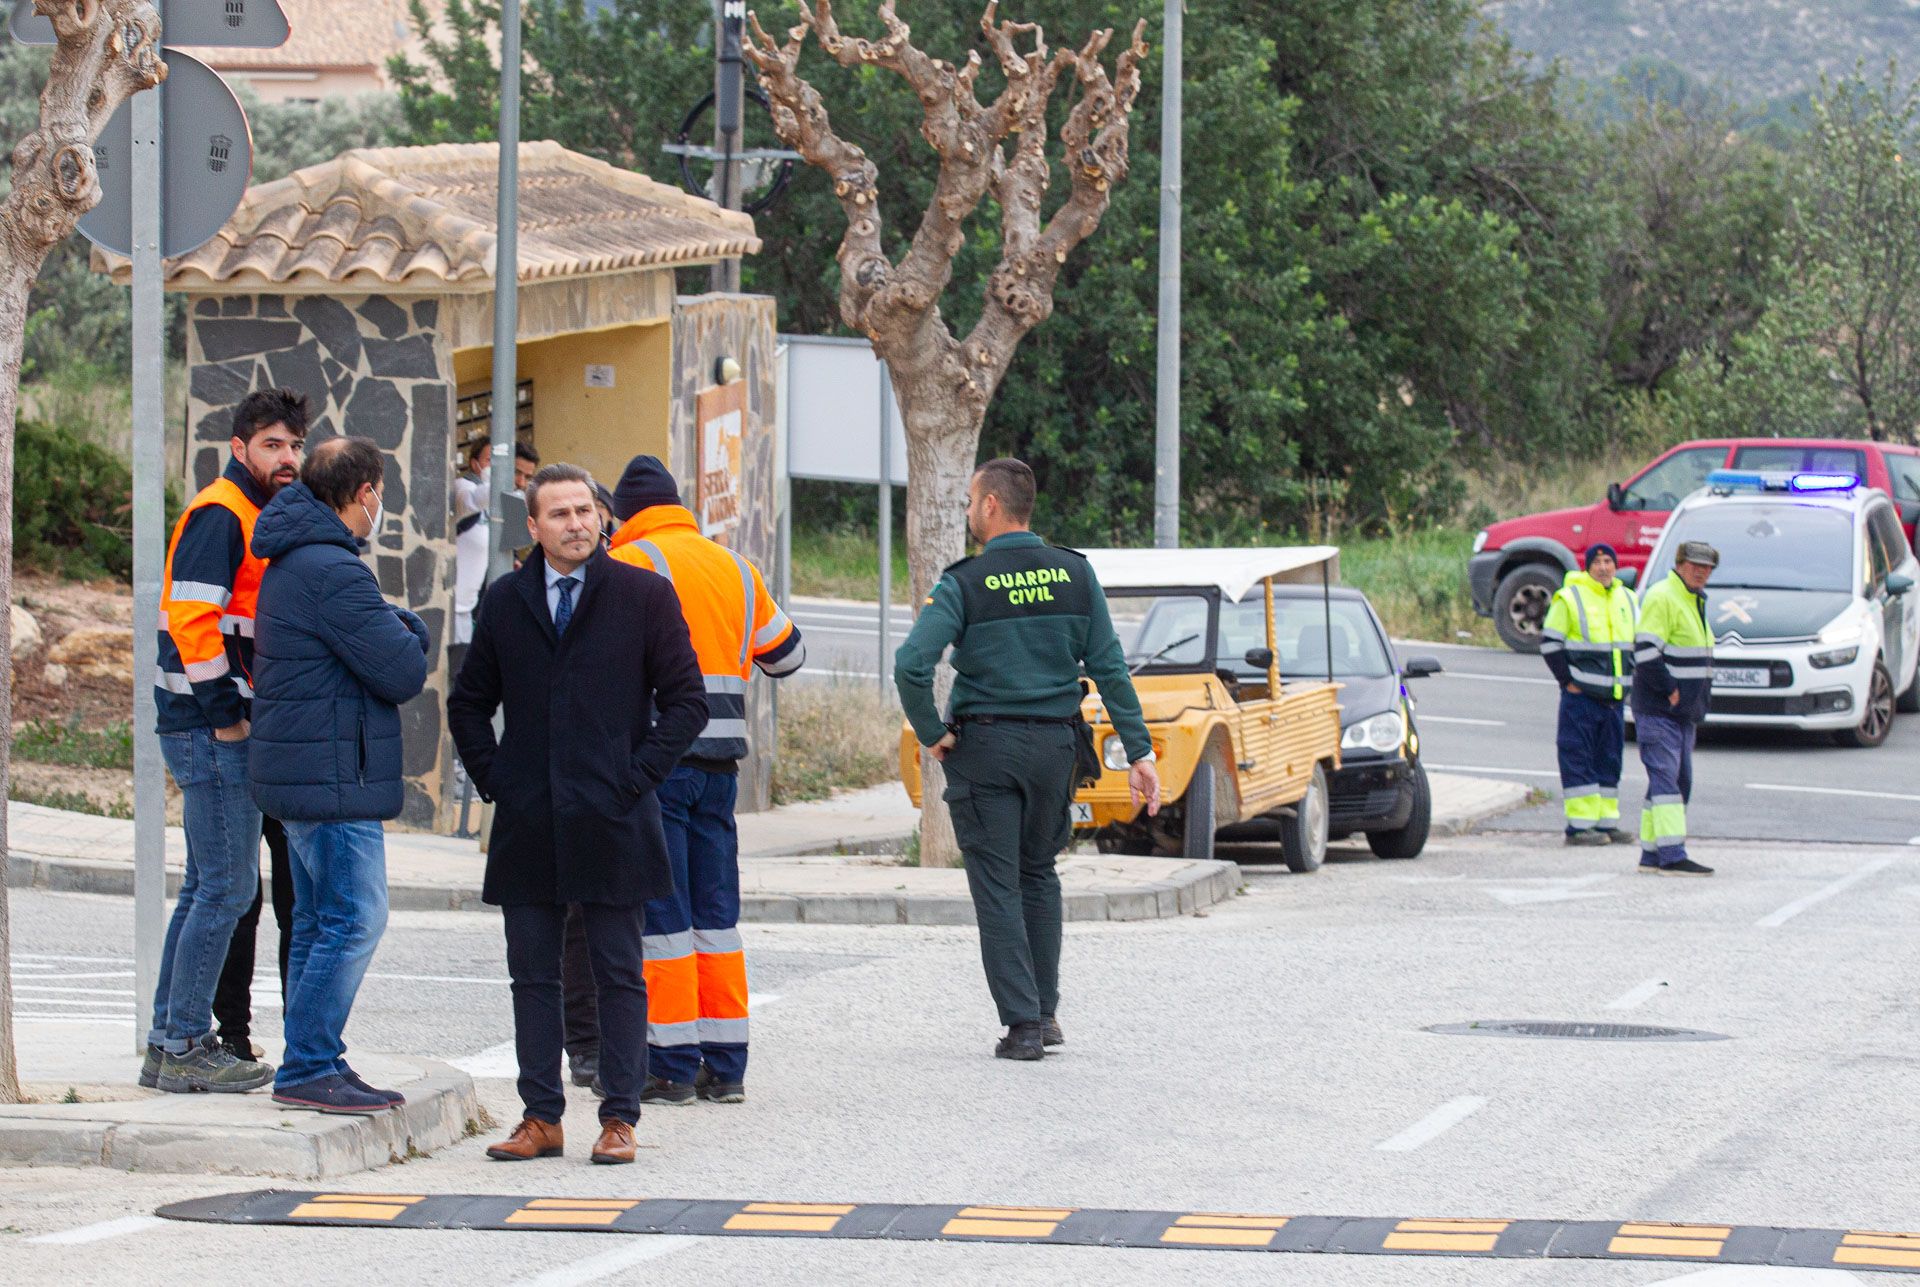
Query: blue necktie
<point x="563" y="615"/>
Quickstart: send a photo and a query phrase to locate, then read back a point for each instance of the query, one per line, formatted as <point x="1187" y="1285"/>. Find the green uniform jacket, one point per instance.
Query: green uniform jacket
<point x="1021" y="617"/>
<point x="1673" y="652"/>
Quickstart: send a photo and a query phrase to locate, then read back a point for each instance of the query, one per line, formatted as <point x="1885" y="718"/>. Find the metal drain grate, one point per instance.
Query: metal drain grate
<point x="1563" y="1030"/>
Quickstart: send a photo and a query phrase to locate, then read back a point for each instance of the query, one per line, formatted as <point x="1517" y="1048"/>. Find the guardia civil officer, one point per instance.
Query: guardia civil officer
<point x="1672" y="683"/>
<point x="1587" y="642"/>
<point x="1022" y="618"/>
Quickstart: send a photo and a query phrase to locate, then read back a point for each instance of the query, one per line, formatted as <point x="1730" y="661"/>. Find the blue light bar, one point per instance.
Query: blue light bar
<point x="1752" y="480"/>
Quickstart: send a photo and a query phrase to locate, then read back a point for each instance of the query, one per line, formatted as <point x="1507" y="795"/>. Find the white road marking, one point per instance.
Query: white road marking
<point x="111" y="1021"/>
<point x="1495" y="679"/>
<point x="1636" y="994"/>
<point x="20" y="989"/>
<point x="121" y="1003"/>
<point x="1455" y="719"/>
<point x="494" y="1061"/>
<point x="1914" y="841"/>
<point x="432" y="978"/>
<point x="54" y="956"/>
<point x="1489" y="768"/>
<point x="1557" y="890"/>
<point x="99" y="1232"/>
<point x="1433" y="1125"/>
<point x="609" y="1263"/>
<point x="1776" y="919"/>
<point x="1759" y="1276"/>
<point x="1812" y="790"/>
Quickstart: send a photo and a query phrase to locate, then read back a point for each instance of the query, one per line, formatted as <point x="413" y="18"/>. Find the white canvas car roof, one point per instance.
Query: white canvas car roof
<point x="1234" y="571"/>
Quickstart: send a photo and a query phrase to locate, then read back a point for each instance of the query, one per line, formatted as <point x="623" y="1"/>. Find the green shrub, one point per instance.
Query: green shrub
<point x="45" y="742"/>
<point x="72" y="504"/>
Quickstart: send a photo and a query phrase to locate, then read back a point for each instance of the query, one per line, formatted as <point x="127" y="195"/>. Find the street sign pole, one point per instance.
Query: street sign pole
<point x="506" y="298"/>
<point x="1166" y="431"/>
<point x="885" y="669"/>
<point x="149" y="518"/>
<point x="729" y="111"/>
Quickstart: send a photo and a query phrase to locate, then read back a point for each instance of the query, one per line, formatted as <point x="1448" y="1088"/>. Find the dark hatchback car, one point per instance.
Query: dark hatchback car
<point x="1381" y="787"/>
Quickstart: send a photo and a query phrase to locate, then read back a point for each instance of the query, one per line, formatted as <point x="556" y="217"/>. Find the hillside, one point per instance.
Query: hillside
<point x="1758" y="49"/>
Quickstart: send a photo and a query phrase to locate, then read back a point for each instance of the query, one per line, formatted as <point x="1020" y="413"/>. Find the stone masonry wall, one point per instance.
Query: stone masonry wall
<point x="374" y="367"/>
<point x="705" y="328"/>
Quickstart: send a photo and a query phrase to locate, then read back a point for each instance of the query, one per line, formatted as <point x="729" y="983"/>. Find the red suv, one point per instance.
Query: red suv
<point x="1517" y="564"/>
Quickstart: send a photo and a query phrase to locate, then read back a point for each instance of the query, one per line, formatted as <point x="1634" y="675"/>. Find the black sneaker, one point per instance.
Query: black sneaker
<point x="241" y="1048"/>
<point x="150" y="1067"/>
<point x="208" y="1066"/>
<point x="1050" y="1034"/>
<point x="331" y="1094"/>
<point x="584" y="1069"/>
<point x="354" y="1080"/>
<point x="659" y="1090"/>
<point x="1023" y="1041"/>
<point x="715" y="1091"/>
<point x="1685" y="867"/>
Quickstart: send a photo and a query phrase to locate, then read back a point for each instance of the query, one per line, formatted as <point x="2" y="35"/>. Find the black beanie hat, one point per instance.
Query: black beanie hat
<point x="1594" y="551"/>
<point x="645" y="484"/>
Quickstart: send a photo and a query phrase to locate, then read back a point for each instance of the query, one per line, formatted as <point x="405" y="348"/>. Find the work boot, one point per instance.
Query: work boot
<point x="354" y="1080"/>
<point x="206" y="1066"/>
<point x="714" y="1091"/>
<point x="659" y="1090"/>
<point x="150" y="1067"/>
<point x="1685" y="867"/>
<point x="1050" y="1034"/>
<point x="332" y="1094"/>
<point x="530" y="1139"/>
<point x="1586" y="839"/>
<point x="1615" y="836"/>
<point x="584" y="1068"/>
<point x="1023" y="1041"/>
<point x="615" y="1145"/>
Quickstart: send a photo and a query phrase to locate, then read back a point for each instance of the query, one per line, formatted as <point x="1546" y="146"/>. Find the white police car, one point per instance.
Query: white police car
<point x="1814" y="612"/>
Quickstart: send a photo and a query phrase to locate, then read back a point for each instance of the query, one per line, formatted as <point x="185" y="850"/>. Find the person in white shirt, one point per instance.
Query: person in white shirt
<point x="470" y="499"/>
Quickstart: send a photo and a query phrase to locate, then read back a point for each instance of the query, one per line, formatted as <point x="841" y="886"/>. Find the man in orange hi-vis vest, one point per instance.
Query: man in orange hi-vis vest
<point x="696" y="970"/>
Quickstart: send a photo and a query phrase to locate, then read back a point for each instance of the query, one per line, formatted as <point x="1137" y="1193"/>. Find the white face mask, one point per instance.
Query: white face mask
<point x="373" y="519"/>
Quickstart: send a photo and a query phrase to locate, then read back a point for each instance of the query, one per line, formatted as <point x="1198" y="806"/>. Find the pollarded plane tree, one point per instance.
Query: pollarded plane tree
<point x="999" y="148"/>
<point x="108" y="51"/>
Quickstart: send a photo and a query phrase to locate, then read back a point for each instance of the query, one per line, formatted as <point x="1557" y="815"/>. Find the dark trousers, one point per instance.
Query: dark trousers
<point x="696" y="961"/>
<point x="1008" y="786"/>
<point x="1666" y="750"/>
<point x="1591" y="740"/>
<point x="582" y="1006"/>
<point x="233" y="995"/>
<point x="536" y="940"/>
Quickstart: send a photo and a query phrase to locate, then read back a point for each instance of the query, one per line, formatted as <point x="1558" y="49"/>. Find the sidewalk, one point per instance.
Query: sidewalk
<point x="814" y="862"/>
<point x="118" y="1125"/>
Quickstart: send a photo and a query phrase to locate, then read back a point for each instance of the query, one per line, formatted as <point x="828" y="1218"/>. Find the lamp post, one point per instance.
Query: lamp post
<point x="506" y="298"/>
<point x="1166" y="429"/>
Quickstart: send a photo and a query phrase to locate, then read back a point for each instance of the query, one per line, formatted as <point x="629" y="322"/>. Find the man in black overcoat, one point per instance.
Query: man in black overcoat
<point x="602" y="692"/>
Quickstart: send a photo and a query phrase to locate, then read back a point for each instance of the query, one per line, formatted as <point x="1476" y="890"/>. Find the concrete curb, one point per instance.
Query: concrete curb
<point x="159" y="1135"/>
<point x="1200" y="886"/>
<point x="1459" y="823"/>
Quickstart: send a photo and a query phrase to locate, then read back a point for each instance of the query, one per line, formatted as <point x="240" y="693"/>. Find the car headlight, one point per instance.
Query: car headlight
<point x="1480" y="540"/>
<point x="1113" y="752"/>
<point x="1835" y="657"/>
<point x="1380" y="733"/>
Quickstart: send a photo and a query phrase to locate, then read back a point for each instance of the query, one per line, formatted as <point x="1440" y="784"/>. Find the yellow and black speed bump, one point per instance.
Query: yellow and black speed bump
<point x="1067" y="1226"/>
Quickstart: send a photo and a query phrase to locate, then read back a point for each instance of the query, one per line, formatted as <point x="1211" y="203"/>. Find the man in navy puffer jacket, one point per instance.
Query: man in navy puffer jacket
<point x="333" y="660"/>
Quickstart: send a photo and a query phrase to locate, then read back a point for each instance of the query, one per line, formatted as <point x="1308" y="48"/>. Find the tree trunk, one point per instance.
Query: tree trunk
<point x="943" y="436"/>
<point x="109" y="50"/>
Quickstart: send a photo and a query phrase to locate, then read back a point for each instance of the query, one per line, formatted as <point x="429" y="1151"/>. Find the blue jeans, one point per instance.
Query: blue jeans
<point x="696" y="963"/>
<point x="339" y="912"/>
<point x="223" y="875"/>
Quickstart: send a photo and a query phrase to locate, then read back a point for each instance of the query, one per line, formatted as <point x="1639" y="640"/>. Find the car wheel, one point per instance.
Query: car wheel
<point x="1876" y="717"/>
<point x="1520" y="604"/>
<point x="1909" y="703"/>
<point x="1197" y="803"/>
<point x="1303" y="833"/>
<point x="1408" y="841"/>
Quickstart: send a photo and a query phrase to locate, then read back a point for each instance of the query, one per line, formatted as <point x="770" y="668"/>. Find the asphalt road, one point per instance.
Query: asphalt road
<point x="1269" y="1057"/>
<point x="1492" y="713"/>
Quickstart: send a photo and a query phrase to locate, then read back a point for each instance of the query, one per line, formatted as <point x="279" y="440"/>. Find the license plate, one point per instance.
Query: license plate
<point x="1741" y="677"/>
<point x="1082" y="815"/>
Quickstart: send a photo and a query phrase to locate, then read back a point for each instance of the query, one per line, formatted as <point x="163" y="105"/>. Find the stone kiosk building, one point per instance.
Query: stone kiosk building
<point x="367" y="284"/>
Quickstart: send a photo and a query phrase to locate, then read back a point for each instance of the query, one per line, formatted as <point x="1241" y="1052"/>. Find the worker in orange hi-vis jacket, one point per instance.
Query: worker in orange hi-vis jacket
<point x="696" y="970"/>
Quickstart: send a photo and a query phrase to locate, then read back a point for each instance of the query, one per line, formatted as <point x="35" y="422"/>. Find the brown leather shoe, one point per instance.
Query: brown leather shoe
<point x="530" y="1139"/>
<point x="615" y="1144"/>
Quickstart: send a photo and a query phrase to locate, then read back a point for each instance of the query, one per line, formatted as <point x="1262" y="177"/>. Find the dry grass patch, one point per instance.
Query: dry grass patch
<point x="836" y="736"/>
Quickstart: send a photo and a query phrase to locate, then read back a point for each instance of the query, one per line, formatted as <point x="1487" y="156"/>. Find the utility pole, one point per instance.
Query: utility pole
<point x="506" y="300"/>
<point x="1166" y="429"/>
<point x="729" y="110"/>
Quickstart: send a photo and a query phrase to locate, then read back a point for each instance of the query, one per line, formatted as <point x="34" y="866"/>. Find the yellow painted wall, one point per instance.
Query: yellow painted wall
<point x="598" y="429"/>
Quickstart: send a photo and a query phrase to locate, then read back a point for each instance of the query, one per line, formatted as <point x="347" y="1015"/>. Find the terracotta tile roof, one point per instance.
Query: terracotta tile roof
<point x="330" y="34"/>
<point x="424" y="218"/>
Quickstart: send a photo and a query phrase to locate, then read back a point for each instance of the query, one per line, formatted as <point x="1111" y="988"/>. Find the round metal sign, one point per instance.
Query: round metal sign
<point x="206" y="162"/>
